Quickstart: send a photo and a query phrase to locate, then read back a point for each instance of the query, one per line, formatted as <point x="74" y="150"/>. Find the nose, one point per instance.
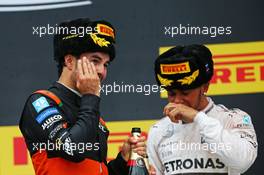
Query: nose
<point x="177" y="98"/>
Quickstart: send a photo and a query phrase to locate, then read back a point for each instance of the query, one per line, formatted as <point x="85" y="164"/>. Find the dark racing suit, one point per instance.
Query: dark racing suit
<point x="65" y="135"/>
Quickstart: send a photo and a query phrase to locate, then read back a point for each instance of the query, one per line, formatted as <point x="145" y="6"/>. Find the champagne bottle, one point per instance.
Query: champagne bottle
<point x="136" y="163"/>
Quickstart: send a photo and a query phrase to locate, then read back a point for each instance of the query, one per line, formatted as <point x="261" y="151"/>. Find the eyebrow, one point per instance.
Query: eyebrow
<point x="100" y="58"/>
<point x="96" y="56"/>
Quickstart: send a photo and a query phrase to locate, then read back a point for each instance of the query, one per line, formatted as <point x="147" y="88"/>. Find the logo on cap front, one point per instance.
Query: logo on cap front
<point x="168" y="69"/>
<point x="99" y="41"/>
<point x="164" y="81"/>
<point x="103" y="29"/>
<point x="189" y="79"/>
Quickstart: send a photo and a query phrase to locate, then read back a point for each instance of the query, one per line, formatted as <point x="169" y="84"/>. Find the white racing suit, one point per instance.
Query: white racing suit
<point x="219" y="141"/>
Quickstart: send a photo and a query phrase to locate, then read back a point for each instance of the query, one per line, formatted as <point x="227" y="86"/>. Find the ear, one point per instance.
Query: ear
<point x="69" y="61"/>
<point x="205" y="87"/>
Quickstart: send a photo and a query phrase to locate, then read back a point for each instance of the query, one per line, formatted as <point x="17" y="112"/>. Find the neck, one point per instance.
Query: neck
<point x="203" y="103"/>
<point x="65" y="79"/>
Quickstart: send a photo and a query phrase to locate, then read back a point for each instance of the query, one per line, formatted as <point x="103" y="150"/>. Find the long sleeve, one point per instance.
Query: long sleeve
<point x="238" y="136"/>
<point x="43" y="120"/>
<point x="118" y="166"/>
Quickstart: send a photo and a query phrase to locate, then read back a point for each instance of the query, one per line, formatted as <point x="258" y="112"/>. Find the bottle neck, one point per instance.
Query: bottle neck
<point x="136" y="134"/>
<point x="133" y="155"/>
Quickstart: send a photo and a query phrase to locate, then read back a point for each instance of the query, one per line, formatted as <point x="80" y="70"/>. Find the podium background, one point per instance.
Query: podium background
<point x="27" y="63"/>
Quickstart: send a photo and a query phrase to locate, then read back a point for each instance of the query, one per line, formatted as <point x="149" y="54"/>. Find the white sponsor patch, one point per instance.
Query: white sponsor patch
<point x="68" y="146"/>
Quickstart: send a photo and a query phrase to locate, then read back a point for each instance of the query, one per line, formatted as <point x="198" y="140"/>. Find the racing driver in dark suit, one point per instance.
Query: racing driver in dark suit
<point x="62" y="126"/>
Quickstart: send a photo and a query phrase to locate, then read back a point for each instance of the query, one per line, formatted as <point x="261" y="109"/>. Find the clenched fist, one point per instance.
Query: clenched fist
<point x="88" y="81"/>
<point x="178" y="112"/>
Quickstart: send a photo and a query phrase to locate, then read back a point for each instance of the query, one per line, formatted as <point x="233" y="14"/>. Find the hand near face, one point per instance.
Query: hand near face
<point x="88" y="81"/>
<point x="178" y="112"/>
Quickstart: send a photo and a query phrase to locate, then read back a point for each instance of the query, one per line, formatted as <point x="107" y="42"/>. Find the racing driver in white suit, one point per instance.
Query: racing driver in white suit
<point x="197" y="137"/>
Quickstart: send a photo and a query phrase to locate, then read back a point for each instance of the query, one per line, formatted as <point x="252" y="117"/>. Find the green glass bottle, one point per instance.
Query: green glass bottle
<point x="136" y="163"/>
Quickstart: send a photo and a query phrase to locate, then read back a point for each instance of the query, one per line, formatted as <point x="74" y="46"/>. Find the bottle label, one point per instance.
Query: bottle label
<point x="134" y="155"/>
<point x="137" y="162"/>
